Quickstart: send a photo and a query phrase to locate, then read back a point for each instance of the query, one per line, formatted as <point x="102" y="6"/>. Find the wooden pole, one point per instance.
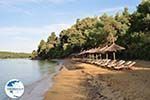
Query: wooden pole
<point x="114" y="55"/>
<point x="106" y="55"/>
<point x="92" y="56"/>
<point x="96" y="56"/>
<point x="100" y="56"/>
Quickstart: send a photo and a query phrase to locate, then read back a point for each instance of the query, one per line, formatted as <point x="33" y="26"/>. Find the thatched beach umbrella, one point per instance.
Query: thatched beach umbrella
<point x="95" y="51"/>
<point x="92" y="52"/>
<point x="114" y="48"/>
<point x="81" y="53"/>
<point x="102" y="51"/>
<point x="86" y="52"/>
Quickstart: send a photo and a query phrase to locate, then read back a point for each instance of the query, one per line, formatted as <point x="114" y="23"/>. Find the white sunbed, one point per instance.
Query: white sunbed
<point x="112" y="63"/>
<point x="106" y="62"/>
<point x="118" y="64"/>
<point x="96" y="62"/>
<point x="127" y="65"/>
<point x="100" y="62"/>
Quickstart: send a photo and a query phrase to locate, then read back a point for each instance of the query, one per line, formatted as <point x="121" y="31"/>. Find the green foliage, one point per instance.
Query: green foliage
<point x="34" y="54"/>
<point x="5" y="55"/>
<point x="129" y="30"/>
<point x="144" y="7"/>
<point x="141" y="18"/>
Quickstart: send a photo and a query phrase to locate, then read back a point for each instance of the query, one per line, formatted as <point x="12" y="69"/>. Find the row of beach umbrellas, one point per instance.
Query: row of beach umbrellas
<point x="112" y="48"/>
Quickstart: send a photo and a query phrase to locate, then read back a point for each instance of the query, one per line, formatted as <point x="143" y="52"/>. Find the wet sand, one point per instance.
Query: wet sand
<point x="36" y="90"/>
<point x="80" y="81"/>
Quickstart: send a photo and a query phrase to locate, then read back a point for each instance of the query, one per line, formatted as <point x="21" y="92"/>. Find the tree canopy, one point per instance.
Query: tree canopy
<point x="130" y="30"/>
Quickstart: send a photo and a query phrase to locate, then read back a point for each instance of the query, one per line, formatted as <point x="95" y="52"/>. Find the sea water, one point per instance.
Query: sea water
<point x="26" y="70"/>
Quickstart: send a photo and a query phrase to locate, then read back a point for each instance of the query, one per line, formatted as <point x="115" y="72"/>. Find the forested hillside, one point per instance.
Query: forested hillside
<point x="130" y="30"/>
<point x="5" y="55"/>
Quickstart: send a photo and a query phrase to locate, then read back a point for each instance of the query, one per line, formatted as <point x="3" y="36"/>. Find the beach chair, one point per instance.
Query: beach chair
<point x="88" y="60"/>
<point x="127" y="65"/>
<point x="96" y="62"/>
<point x="112" y="63"/>
<point x="105" y="63"/>
<point x="93" y="62"/>
<point x="118" y="64"/>
<point x="100" y="62"/>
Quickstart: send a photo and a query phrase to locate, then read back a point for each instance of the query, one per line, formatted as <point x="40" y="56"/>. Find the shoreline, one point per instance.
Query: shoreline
<point x="60" y="79"/>
<point x="37" y="89"/>
<point x="81" y="81"/>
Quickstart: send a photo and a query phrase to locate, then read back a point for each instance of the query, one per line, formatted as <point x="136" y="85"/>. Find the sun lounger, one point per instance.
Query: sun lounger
<point x="96" y="62"/>
<point x="88" y="60"/>
<point x="118" y="64"/>
<point x="112" y="63"/>
<point x="105" y="63"/>
<point x="127" y="65"/>
<point x="92" y="61"/>
<point x="100" y="62"/>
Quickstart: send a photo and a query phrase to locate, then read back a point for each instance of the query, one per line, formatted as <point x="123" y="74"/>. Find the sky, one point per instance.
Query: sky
<point x="23" y="23"/>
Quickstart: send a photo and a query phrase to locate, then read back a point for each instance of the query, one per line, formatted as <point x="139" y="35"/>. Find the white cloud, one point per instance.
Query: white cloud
<point x="116" y="9"/>
<point x="14" y="5"/>
<point x="111" y="10"/>
<point x="11" y="5"/>
<point x="33" y="30"/>
<point x="60" y="1"/>
<point x="26" y="39"/>
<point x="13" y="2"/>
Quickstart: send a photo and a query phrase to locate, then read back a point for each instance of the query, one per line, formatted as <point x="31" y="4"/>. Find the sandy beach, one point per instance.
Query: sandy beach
<point x="81" y="81"/>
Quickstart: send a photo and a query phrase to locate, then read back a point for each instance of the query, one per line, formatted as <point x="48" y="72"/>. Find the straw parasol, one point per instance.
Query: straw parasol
<point x="83" y="52"/>
<point x="98" y="50"/>
<point x="92" y="51"/>
<point x="102" y="50"/>
<point x="114" y="48"/>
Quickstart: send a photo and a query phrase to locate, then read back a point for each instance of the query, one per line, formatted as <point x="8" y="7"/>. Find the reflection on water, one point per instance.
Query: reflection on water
<point x="28" y="71"/>
<point x="46" y="66"/>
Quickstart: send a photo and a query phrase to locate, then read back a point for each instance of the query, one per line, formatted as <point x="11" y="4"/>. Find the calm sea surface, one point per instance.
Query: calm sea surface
<point x="27" y="71"/>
